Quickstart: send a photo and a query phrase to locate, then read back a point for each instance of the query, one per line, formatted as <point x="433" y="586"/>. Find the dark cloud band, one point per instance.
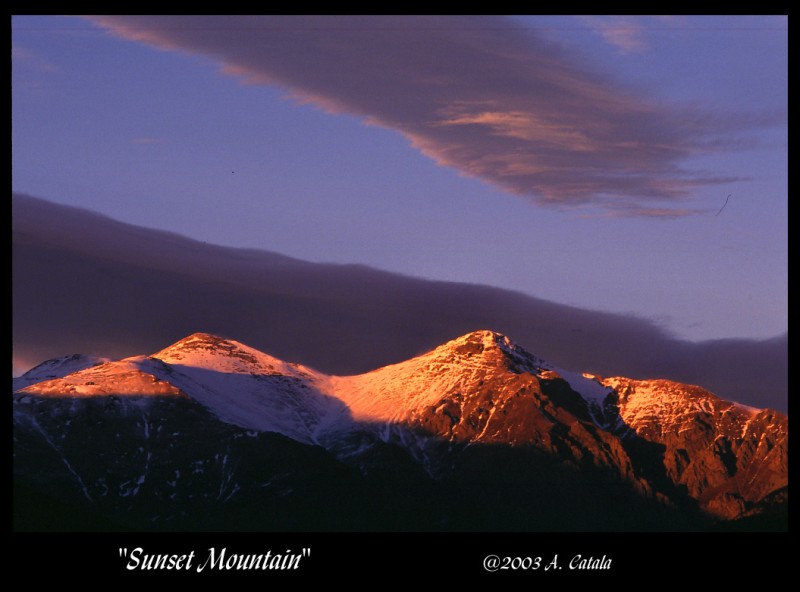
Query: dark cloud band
<point x="87" y="284"/>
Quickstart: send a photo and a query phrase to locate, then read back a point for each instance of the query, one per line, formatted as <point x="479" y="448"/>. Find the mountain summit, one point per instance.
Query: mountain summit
<point x="478" y="408"/>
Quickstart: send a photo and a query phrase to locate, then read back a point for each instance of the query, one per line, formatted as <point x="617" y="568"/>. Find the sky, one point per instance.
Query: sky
<point x="634" y="165"/>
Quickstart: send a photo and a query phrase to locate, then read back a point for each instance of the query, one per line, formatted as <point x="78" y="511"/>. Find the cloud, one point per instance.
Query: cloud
<point x="86" y="284"/>
<point x="624" y="33"/>
<point x="477" y="94"/>
<point x="24" y="55"/>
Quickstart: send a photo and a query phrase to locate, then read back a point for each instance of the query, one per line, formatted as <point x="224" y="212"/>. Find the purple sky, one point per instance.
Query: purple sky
<point x="577" y="159"/>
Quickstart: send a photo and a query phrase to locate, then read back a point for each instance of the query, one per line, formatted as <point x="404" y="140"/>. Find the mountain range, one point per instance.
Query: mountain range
<point x="476" y="434"/>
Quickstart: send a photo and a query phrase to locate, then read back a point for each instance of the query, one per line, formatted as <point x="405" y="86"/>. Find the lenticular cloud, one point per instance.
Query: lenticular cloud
<point x="478" y="94"/>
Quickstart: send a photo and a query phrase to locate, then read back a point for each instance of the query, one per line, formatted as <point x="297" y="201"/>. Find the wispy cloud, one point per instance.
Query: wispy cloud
<point x="473" y="93"/>
<point x="23" y="55"/>
<point x="623" y="32"/>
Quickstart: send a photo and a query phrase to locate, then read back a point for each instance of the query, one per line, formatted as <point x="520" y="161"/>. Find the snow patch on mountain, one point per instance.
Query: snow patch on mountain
<point x="251" y="389"/>
<point x="591" y="390"/>
<point x="586" y="385"/>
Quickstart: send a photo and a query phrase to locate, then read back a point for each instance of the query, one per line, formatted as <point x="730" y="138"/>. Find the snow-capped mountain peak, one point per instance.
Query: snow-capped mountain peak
<point x="135" y="376"/>
<point x="399" y="392"/>
<point x="56" y="368"/>
<point x="487" y="347"/>
<point x="213" y="353"/>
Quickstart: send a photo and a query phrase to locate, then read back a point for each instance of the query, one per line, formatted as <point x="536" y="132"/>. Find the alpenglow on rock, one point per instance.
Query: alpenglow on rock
<point x="201" y="432"/>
